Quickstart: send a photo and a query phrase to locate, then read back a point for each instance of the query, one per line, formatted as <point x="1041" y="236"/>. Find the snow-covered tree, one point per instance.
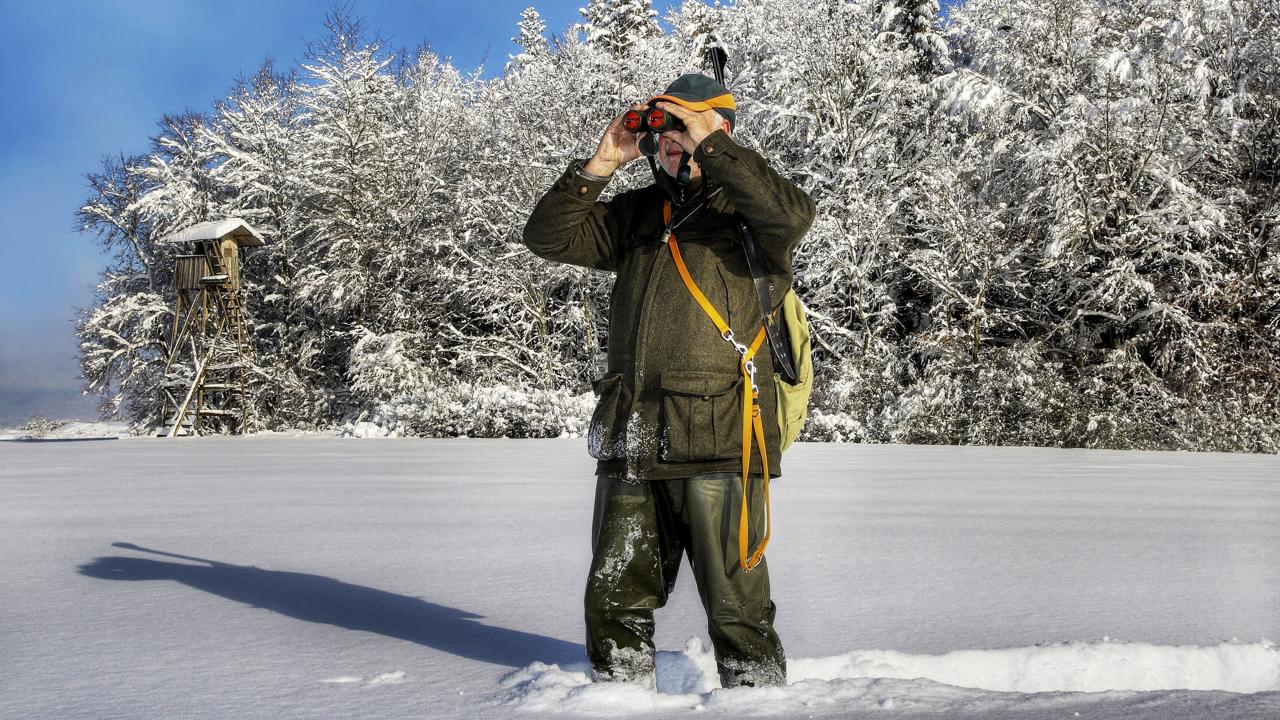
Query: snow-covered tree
<point x="1102" y="122"/>
<point x="121" y="336"/>
<point x="695" y="25"/>
<point x="258" y="136"/>
<point x="1049" y="223"/>
<point x="532" y="37"/>
<point x="914" y="23"/>
<point x="619" y="25"/>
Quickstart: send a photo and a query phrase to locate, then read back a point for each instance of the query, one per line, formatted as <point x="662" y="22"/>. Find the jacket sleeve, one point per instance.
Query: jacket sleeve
<point x="778" y="212"/>
<point x="569" y="225"/>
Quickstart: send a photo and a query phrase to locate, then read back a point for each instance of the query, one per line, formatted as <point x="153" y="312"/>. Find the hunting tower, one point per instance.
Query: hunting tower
<point x="204" y="377"/>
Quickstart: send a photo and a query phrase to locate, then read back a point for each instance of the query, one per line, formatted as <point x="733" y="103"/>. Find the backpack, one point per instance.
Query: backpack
<point x="788" y="325"/>
<point x="793" y="399"/>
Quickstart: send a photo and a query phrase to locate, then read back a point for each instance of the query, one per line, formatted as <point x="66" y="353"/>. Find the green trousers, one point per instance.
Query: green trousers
<point x="640" y="534"/>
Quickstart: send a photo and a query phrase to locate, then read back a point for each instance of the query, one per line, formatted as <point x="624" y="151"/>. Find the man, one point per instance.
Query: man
<point x="668" y="427"/>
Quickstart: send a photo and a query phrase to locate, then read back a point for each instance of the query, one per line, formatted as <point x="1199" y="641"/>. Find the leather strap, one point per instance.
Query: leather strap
<point x="751" y="422"/>
<point x="777" y="341"/>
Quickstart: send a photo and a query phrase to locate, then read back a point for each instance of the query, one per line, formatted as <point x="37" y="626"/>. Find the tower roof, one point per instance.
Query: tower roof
<point x="239" y="230"/>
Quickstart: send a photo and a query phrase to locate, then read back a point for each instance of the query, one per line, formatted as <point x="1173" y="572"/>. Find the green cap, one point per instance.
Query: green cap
<point x="699" y="93"/>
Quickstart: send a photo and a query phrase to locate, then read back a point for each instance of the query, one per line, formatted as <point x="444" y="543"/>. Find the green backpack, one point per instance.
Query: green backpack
<point x="793" y="399"/>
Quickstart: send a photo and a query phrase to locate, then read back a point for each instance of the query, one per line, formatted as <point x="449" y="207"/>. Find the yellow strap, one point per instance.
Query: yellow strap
<point x="710" y="310"/>
<point x="750" y="414"/>
<point x="750" y="421"/>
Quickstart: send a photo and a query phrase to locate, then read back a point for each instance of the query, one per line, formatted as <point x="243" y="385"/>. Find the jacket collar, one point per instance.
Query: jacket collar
<point x="679" y="196"/>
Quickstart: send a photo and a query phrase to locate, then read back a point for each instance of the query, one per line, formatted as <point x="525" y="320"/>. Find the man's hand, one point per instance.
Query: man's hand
<point x="697" y="125"/>
<point x="617" y="147"/>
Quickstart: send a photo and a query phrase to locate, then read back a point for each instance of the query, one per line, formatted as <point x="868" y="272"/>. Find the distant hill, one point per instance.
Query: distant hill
<point x="17" y="406"/>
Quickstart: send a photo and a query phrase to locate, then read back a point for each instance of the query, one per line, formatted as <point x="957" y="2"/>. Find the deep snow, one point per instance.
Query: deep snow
<point x="280" y="577"/>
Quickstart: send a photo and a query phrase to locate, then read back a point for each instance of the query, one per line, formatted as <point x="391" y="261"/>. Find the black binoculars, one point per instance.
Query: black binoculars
<point x="651" y="119"/>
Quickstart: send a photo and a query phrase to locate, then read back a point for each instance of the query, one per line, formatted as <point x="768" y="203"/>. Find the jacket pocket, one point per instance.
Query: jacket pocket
<point x="701" y="416"/>
<point x="603" y="437"/>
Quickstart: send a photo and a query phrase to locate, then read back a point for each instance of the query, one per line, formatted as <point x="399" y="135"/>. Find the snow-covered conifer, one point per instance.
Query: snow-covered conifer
<point x="619" y="25"/>
<point x="914" y="23"/>
<point x="531" y="37"/>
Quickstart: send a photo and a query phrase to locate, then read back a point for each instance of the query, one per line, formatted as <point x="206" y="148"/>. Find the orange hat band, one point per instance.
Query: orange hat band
<point x="720" y="101"/>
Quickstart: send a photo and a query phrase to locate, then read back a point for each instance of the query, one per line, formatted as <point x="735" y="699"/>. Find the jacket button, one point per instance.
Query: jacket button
<point x="706" y="398"/>
<point x="582" y="190"/>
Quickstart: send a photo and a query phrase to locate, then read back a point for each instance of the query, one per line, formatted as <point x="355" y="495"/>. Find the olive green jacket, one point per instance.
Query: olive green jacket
<point x="670" y="404"/>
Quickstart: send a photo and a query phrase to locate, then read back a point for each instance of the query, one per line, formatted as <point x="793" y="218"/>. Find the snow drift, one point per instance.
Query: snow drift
<point x="687" y="680"/>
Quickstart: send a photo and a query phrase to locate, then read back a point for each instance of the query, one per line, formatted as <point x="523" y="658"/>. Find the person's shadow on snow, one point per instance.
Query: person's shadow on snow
<point x="320" y="599"/>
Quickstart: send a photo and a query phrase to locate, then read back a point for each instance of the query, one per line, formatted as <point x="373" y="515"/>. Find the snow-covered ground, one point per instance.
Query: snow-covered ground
<point x="288" y="577"/>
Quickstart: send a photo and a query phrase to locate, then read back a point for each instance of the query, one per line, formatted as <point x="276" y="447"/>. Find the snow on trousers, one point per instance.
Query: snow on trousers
<point x="640" y="533"/>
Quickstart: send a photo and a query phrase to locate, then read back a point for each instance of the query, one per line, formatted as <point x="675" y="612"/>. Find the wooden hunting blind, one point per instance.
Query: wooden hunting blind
<point x="204" y="379"/>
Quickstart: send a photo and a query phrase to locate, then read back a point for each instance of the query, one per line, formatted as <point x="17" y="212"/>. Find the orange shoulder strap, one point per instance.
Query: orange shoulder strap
<point x="751" y="423"/>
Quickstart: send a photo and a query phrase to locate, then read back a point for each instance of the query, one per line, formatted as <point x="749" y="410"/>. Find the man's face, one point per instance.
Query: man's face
<point x="669" y="151"/>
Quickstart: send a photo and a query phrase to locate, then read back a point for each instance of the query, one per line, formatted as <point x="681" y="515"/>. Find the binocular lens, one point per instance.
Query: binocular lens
<point x="650" y="120"/>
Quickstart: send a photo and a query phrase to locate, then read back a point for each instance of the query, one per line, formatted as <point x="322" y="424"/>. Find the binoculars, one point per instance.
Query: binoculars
<point x="651" y="119"/>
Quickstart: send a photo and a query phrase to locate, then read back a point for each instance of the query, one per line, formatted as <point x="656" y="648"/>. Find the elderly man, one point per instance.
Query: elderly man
<point x="672" y="427"/>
